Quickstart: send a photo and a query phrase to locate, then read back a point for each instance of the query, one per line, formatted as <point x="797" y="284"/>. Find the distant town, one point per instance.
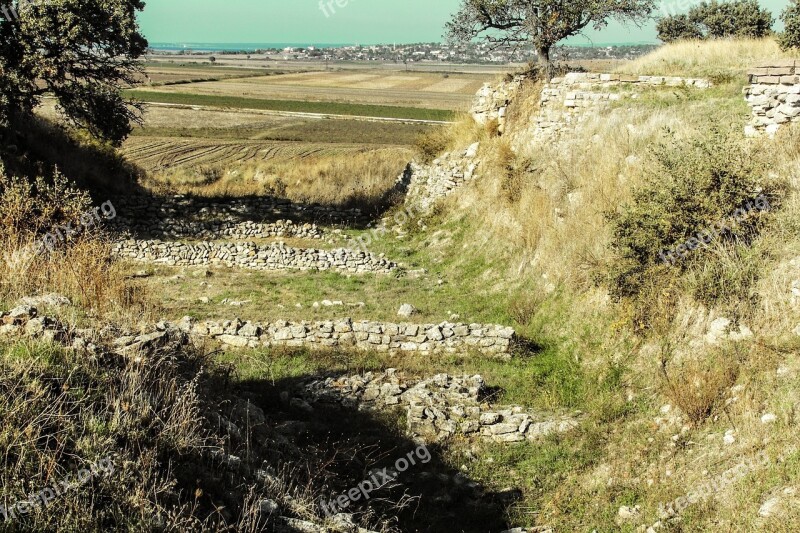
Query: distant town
<point x="476" y="53"/>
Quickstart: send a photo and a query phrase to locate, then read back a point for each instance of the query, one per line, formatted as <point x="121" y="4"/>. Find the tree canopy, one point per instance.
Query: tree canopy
<point x="542" y="23"/>
<point x="83" y="52"/>
<point x="712" y="20"/>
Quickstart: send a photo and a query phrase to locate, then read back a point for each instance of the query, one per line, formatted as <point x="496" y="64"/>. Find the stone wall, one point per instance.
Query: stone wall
<point x="438" y="408"/>
<point x="251" y="256"/>
<point x="345" y="333"/>
<point x="563" y="104"/>
<point x="177" y="215"/>
<point x="432" y="182"/>
<point x="773" y="95"/>
<point x="492" y="101"/>
<point x="567" y="101"/>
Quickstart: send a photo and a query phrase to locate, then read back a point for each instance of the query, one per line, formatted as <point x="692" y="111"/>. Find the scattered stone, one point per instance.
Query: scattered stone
<point x="768" y="418"/>
<point x="406" y="311"/>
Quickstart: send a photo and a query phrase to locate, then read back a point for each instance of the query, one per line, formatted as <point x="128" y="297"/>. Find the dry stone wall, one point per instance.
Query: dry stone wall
<point x="250" y="255"/>
<point x="196" y="217"/>
<point x="438" y="408"/>
<point x="492" y="101"/>
<point x="445" y="337"/>
<point x="563" y="104"/>
<point x="430" y="183"/>
<point x="567" y="101"/>
<point x="773" y="95"/>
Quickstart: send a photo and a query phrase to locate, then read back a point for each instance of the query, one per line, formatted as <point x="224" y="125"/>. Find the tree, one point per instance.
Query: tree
<point x="741" y="18"/>
<point x="83" y="52"/>
<point x="790" y="38"/>
<point x="715" y="20"/>
<point x="542" y="23"/>
<point x="677" y="28"/>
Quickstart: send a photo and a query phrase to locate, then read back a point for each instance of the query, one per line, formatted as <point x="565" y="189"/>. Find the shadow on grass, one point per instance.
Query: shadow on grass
<point x="349" y="444"/>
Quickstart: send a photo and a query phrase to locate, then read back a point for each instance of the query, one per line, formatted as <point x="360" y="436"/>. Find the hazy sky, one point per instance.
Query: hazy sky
<point x="359" y="21"/>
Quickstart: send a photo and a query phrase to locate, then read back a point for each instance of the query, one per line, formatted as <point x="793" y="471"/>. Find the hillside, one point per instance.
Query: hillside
<point x="576" y="309"/>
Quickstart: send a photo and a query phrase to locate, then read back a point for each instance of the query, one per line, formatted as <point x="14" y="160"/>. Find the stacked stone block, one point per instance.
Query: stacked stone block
<point x="773" y="95"/>
<point x="445" y="337"/>
<point x="249" y="255"/>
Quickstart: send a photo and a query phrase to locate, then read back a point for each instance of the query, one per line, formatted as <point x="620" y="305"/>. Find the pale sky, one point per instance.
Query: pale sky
<point x="359" y="21"/>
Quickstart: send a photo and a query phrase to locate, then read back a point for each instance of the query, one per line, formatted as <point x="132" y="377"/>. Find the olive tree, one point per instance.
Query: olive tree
<point x="82" y="52"/>
<point x="541" y="23"/>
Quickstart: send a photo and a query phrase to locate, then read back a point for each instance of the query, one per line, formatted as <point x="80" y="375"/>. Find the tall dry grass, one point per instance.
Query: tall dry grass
<point x="80" y="269"/>
<point x="361" y="180"/>
<point x="719" y="58"/>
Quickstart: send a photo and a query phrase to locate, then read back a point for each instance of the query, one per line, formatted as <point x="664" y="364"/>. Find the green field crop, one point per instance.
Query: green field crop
<point x="332" y="108"/>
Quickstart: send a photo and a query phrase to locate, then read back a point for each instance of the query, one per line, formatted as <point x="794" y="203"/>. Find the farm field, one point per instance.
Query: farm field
<point x="422" y="90"/>
<point x="173" y="121"/>
<point x="155" y="154"/>
<point x="292" y="106"/>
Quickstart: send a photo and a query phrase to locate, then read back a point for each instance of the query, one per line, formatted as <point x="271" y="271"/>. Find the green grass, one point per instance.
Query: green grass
<point x="298" y="106"/>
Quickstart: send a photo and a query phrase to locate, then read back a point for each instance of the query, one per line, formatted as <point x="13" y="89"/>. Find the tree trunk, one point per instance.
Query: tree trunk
<point x="543" y="57"/>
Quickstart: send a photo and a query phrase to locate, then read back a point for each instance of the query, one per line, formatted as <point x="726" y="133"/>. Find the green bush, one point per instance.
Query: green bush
<point x="790" y="38"/>
<point x="714" y="20"/>
<point x="677" y="28"/>
<point x="679" y="223"/>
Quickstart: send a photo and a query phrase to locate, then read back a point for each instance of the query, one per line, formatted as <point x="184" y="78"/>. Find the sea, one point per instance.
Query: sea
<point x="252" y="47"/>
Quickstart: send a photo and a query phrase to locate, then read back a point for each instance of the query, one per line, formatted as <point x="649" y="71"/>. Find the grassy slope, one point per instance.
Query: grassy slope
<point x="332" y="108"/>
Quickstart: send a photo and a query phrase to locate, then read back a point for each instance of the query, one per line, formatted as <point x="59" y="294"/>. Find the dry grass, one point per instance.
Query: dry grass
<point x="359" y="180"/>
<point x="712" y="59"/>
<point x="80" y="269"/>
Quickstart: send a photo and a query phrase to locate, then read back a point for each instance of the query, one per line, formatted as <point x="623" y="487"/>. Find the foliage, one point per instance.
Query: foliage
<point x="542" y="23"/>
<point x="714" y="20"/>
<point x="695" y="186"/>
<point x="677" y="28"/>
<point x="790" y="38"/>
<point x="82" y="52"/>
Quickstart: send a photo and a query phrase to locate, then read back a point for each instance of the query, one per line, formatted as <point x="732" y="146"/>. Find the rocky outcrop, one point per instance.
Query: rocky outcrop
<point x="365" y="335"/>
<point x="250" y="255"/>
<point x="438" y="408"/>
<point x="773" y="95"/>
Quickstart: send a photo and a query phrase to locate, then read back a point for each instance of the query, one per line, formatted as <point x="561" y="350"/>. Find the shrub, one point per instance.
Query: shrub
<point x="431" y="143"/>
<point x="695" y="186"/>
<point x="713" y="20"/>
<point x="698" y="387"/>
<point x="81" y="270"/>
<point x="790" y="38"/>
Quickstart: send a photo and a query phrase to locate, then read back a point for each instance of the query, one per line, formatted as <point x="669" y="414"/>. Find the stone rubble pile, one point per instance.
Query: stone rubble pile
<point x="437" y="408"/>
<point x="773" y="95"/>
<point x="430" y="183"/>
<point x="249" y="255"/>
<point x="424" y="339"/>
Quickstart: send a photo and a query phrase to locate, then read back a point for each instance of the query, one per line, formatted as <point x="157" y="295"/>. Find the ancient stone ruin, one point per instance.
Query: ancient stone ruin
<point x="438" y="408"/>
<point x="445" y="337"/>
<point x="773" y="95"/>
<point x="252" y="256"/>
